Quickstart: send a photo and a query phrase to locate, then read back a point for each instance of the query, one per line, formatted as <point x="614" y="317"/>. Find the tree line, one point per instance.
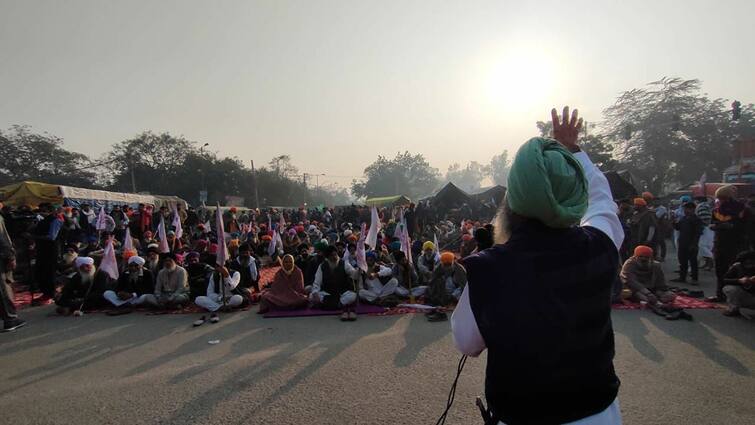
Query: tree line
<point x="667" y="134"/>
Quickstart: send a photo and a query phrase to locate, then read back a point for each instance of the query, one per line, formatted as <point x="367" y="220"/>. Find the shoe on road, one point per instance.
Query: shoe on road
<point x="199" y="322"/>
<point x="12" y="325"/>
<point x="214" y="318"/>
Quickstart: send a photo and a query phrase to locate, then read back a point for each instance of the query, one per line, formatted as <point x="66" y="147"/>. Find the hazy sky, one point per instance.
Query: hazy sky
<point x="335" y="83"/>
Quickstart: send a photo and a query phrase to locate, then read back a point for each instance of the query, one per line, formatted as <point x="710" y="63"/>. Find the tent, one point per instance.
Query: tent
<point x="34" y="193"/>
<point x="388" y="201"/>
<point x="494" y="194"/>
<point x="450" y="196"/>
<point x="620" y="183"/>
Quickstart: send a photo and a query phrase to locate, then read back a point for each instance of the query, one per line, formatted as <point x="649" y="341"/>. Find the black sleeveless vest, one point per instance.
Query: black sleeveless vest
<point x="542" y="304"/>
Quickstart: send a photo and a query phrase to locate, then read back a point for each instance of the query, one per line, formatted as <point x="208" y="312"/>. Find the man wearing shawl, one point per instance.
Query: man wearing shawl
<point x="171" y="286"/>
<point x="644" y="276"/>
<point x="729" y="240"/>
<point x="286" y="290"/>
<point x="539" y="300"/>
<point x="448" y="281"/>
<point x="133" y="285"/>
<point x="86" y="287"/>
<point x="427" y="262"/>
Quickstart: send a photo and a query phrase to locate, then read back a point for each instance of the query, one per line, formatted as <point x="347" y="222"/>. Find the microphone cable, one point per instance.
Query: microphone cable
<point x="452" y="393"/>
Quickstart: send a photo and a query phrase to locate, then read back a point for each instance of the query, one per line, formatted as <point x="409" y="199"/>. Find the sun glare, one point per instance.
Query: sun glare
<point x="518" y="80"/>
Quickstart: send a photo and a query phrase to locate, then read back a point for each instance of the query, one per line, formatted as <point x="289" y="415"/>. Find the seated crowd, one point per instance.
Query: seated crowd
<point x="320" y="267"/>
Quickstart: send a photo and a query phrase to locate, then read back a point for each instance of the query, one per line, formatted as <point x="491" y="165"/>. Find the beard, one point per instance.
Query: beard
<point x="87" y="277"/>
<point x="133" y="277"/>
<point x="153" y="264"/>
<point x="171" y="268"/>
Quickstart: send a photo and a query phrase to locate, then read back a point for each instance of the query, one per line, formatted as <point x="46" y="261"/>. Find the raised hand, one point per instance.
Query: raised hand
<point x="566" y="130"/>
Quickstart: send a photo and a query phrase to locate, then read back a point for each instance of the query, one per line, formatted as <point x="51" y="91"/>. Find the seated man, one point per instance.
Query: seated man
<point x="333" y="287"/>
<point x="427" y="262"/>
<point x="286" y="290"/>
<point x="644" y="277"/>
<point x="67" y="265"/>
<point x="171" y="286"/>
<point x="379" y="283"/>
<point x="246" y="265"/>
<point x="739" y="286"/>
<point x="220" y="296"/>
<point x="84" y="289"/>
<point x="408" y="281"/>
<point x="198" y="275"/>
<point x="447" y="283"/>
<point x="153" y="260"/>
<point x="133" y="285"/>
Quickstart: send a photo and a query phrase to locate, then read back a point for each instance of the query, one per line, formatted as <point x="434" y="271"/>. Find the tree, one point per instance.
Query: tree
<point x="282" y="166"/>
<point x="157" y="161"/>
<point x="499" y="168"/>
<point x="406" y="174"/>
<point x="601" y="151"/>
<point x="468" y="178"/>
<point x="670" y="132"/>
<point x="25" y="155"/>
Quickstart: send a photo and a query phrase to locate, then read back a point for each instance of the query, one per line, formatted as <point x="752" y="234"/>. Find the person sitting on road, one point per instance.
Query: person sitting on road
<point x="171" y="286"/>
<point x="644" y="277"/>
<point x="427" y="262"/>
<point x="198" y="275"/>
<point x="219" y="296"/>
<point x="84" y="289"/>
<point x="408" y="281"/>
<point x="286" y="290"/>
<point x="740" y="286"/>
<point x="133" y="285"/>
<point x="246" y="265"/>
<point x="332" y="288"/>
<point x="448" y="282"/>
<point x="379" y="283"/>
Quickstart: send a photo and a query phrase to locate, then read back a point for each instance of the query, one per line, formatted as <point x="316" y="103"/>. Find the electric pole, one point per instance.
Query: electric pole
<point x="254" y="186"/>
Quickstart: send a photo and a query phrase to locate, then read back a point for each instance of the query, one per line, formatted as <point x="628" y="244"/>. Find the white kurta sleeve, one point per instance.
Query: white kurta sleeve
<point x="601" y="209"/>
<point x="466" y="334"/>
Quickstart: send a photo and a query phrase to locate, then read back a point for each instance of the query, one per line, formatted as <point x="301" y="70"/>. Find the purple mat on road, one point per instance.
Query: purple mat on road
<point x="361" y="309"/>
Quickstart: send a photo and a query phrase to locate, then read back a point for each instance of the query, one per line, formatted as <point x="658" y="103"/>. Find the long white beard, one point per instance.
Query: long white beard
<point x="87" y="277"/>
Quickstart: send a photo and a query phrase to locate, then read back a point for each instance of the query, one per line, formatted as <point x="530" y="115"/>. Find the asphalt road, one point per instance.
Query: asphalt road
<point x="389" y="370"/>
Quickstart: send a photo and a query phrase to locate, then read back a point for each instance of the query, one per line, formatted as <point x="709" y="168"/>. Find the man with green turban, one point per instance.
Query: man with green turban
<point x="539" y="300"/>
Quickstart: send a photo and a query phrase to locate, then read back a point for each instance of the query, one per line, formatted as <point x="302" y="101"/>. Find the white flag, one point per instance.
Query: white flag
<point x="372" y="235"/>
<point x="128" y="243"/>
<point x="177" y="223"/>
<point x="281" y="223"/>
<point x="222" y="255"/>
<point x="109" y="265"/>
<point x="275" y="243"/>
<point x="101" y="223"/>
<point x="400" y="224"/>
<point x="164" y="248"/>
<point x="435" y="242"/>
<point x="406" y="244"/>
<point x="361" y="254"/>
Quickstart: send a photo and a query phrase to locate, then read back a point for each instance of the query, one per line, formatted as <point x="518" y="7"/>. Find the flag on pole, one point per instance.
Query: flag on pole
<point x="702" y="182"/>
<point x="281" y="223"/>
<point x="435" y="242"/>
<point x="361" y="254"/>
<point x="400" y="224"/>
<point x="274" y="243"/>
<point x="207" y="227"/>
<point x="222" y="255"/>
<point x="406" y="243"/>
<point x="164" y="248"/>
<point x="128" y="243"/>
<point x="177" y="223"/>
<point x="101" y="223"/>
<point x="109" y="265"/>
<point x="372" y="235"/>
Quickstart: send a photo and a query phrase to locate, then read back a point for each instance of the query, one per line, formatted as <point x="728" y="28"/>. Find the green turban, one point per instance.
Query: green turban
<point x="546" y="182"/>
